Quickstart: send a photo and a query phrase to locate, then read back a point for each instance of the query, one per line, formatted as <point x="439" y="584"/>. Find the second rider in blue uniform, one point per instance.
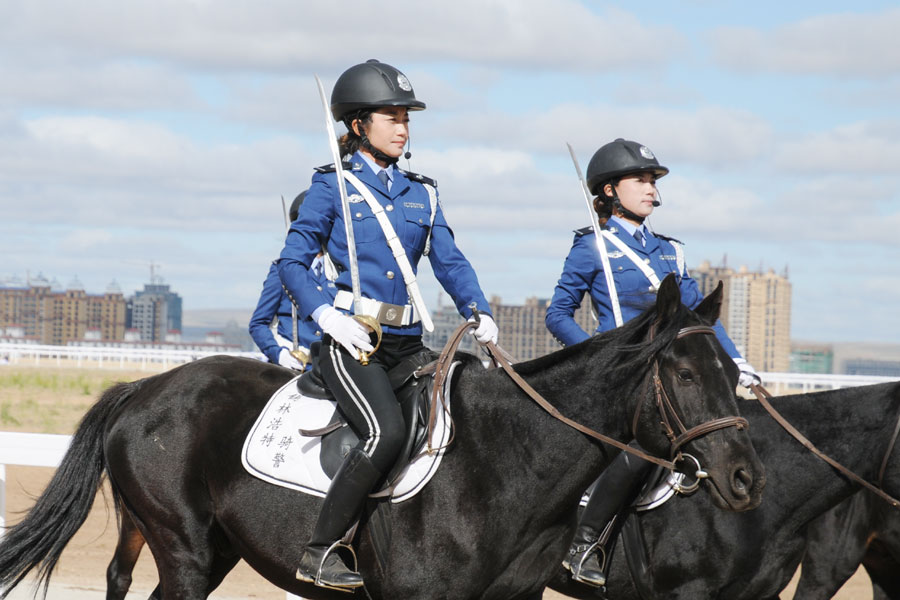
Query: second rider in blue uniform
<point x="622" y="174"/>
<point x="373" y="100"/>
<point x="272" y="322"/>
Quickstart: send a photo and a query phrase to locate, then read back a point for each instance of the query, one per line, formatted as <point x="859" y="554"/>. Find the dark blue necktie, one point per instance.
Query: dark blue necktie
<point x="639" y="236"/>
<point x="383" y="176"/>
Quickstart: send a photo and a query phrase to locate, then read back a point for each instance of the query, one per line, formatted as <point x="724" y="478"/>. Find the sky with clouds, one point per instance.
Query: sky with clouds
<point x="165" y="132"/>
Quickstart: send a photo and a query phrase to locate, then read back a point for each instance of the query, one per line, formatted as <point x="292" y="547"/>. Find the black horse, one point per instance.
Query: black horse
<point x="693" y="551"/>
<point x="862" y="530"/>
<point x="492" y="523"/>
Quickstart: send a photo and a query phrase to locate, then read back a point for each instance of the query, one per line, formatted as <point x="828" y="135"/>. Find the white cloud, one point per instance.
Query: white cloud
<point x="856" y="45"/>
<point x="282" y="34"/>
<point x="114" y="85"/>
<point x="868" y="147"/>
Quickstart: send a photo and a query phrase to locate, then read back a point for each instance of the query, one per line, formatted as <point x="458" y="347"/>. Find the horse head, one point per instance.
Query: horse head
<point x="688" y="407"/>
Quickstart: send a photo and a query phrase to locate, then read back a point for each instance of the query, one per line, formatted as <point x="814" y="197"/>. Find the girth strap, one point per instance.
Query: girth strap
<point x="763" y="395"/>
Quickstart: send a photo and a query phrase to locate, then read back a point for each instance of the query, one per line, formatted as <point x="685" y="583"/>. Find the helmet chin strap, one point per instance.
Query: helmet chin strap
<point x="618" y="207"/>
<point x="378" y="154"/>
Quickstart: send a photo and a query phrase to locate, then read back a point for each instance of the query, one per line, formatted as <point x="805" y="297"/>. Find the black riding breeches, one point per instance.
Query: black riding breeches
<point x="365" y="396"/>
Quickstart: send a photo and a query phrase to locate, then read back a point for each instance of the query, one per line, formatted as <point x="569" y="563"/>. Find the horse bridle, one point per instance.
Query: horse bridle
<point x="666" y="409"/>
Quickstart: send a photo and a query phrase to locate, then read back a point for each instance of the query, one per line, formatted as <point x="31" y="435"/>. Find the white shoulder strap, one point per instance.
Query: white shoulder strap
<point x="409" y="277"/>
<point x="432" y="196"/>
<point x="644" y="267"/>
<point x="679" y="258"/>
<point x="610" y="281"/>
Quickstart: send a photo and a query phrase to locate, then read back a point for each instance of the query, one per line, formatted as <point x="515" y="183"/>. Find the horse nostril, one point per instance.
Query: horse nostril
<point x="741" y="482"/>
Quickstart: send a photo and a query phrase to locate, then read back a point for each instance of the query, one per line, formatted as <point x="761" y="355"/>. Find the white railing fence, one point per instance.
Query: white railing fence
<point x="107" y="356"/>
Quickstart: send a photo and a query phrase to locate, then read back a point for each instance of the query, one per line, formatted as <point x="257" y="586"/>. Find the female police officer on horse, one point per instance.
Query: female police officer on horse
<point x="373" y="100"/>
<point x="621" y="274"/>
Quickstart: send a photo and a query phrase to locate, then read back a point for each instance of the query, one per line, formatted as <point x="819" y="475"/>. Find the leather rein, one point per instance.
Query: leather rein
<point x="664" y="405"/>
<point x="764" y="396"/>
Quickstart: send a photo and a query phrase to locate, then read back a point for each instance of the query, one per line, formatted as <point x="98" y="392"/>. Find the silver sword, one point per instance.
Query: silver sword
<point x="348" y="227"/>
<point x="595" y="221"/>
<point x="587" y="193"/>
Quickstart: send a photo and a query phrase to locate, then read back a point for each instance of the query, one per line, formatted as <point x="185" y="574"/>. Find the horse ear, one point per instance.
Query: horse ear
<point x="668" y="298"/>
<point x="709" y="309"/>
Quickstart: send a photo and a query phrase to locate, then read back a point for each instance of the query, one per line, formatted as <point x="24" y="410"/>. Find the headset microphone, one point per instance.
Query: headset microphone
<point x="408" y="145"/>
<point x="656" y="203"/>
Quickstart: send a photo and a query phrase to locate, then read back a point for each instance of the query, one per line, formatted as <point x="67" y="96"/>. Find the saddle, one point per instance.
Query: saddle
<point x="412" y="383"/>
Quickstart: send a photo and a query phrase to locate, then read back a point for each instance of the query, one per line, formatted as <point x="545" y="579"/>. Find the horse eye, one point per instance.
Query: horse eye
<point x="685" y="375"/>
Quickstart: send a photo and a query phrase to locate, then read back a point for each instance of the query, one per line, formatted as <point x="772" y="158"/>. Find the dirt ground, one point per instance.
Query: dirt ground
<point x="52" y="400"/>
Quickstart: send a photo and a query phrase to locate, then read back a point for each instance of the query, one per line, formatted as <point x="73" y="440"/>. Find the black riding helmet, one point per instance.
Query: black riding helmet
<point x="618" y="158"/>
<point x="370" y="85"/>
<point x="295" y="206"/>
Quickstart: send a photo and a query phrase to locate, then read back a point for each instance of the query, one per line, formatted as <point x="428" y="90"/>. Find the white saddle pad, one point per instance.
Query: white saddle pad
<point x="276" y="451"/>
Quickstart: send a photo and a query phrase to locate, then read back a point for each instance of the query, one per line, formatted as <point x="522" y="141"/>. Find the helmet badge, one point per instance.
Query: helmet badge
<point x="403" y="82"/>
<point x="645" y="152"/>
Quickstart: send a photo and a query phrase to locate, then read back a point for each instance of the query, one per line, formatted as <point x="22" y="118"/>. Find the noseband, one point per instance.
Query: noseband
<point x="667" y="410"/>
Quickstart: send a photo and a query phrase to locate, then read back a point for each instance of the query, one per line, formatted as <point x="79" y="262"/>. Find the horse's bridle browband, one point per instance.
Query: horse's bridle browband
<point x="763" y="395"/>
<point x="501" y="358"/>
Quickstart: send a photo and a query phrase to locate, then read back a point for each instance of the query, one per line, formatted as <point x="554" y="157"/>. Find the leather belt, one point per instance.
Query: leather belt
<point x="395" y="315"/>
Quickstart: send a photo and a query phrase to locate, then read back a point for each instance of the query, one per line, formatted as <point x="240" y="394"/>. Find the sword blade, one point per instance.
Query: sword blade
<point x="345" y="203"/>
<point x="587" y="196"/>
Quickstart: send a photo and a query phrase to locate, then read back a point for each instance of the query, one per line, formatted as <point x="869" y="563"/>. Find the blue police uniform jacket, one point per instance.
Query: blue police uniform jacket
<point x="583" y="273"/>
<point x="408" y="207"/>
<point x="274" y="302"/>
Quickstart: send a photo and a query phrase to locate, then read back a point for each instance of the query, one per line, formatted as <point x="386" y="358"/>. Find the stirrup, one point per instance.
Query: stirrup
<point x="317" y="581"/>
<point x="576" y="567"/>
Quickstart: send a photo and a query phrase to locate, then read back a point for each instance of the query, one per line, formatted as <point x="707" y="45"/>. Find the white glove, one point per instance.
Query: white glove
<point x="286" y="359"/>
<point x="346" y="331"/>
<point x="486" y="331"/>
<point x="747" y="376"/>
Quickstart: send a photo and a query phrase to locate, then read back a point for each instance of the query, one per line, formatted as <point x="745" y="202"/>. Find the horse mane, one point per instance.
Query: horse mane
<point x="619" y="351"/>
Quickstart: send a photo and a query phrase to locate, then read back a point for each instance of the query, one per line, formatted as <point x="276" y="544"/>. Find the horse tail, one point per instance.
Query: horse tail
<point x="38" y="540"/>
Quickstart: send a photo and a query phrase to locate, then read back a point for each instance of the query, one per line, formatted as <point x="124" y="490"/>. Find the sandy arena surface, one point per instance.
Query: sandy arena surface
<point x="80" y="574"/>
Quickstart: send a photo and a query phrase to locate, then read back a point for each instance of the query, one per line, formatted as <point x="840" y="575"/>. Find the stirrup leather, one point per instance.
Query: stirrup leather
<point x="332" y="548"/>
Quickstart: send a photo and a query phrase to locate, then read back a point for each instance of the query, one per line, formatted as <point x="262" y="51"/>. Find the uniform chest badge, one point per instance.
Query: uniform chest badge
<point x="355" y="198"/>
<point x="616" y="254"/>
<point x="414" y="205"/>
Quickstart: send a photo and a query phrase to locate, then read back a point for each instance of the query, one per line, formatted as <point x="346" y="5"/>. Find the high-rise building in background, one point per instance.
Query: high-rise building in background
<point x="756" y="312"/>
<point x="522" y="330"/>
<point x="44" y="312"/>
<point x="47" y="313"/>
<point x="155" y="312"/>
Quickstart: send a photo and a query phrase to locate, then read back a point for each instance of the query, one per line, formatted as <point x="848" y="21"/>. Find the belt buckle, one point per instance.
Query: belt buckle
<point x="390" y="314"/>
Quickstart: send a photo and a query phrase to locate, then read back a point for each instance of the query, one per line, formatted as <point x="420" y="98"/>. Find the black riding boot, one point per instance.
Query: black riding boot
<point x="614" y="491"/>
<point x="345" y="499"/>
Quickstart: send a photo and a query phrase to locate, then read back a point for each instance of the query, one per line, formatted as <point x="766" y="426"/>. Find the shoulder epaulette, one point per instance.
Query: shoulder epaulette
<point x="348" y="166"/>
<point x="584" y="230"/>
<point x="419" y="178"/>
<point x="668" y="238"/>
